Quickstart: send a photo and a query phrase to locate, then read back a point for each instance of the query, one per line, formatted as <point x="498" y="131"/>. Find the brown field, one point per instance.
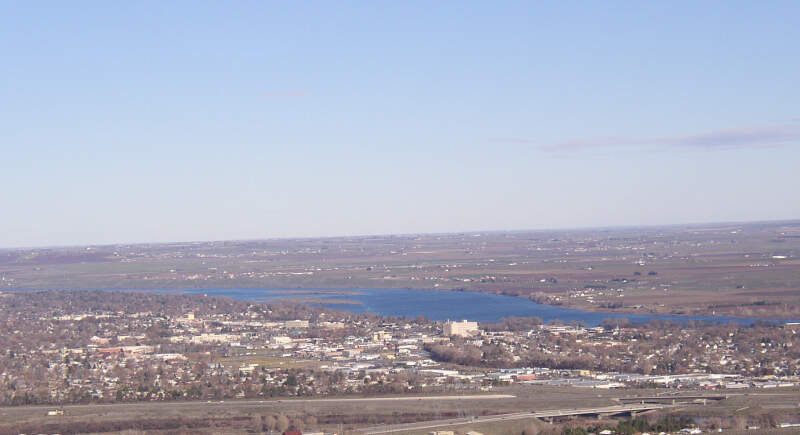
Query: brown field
<point x="344" y="414"/>
<point x="742" y="269"/>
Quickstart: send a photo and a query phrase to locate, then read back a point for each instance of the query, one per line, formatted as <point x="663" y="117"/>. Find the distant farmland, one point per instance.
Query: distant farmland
<point x="740" y="269"/>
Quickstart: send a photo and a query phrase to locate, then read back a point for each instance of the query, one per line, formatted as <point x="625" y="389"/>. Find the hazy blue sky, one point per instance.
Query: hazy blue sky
<point x="169" y="120"/>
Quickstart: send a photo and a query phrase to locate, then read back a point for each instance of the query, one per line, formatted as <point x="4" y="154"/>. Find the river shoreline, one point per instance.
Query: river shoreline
<point x="278" y="294"/>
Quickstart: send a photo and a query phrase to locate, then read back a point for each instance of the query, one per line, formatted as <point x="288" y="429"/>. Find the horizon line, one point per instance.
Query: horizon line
<point x="578" y="228"/>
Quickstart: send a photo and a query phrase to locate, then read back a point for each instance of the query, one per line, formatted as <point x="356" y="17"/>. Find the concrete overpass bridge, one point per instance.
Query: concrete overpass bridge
<point x="548" y="415"/>
<point x="673" y="400"/>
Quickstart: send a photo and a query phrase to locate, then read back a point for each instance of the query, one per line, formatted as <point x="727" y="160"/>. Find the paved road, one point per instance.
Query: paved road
<point x="615" y="409"/>
<point x="670" y="398"/>
<point x="256" y="403"/>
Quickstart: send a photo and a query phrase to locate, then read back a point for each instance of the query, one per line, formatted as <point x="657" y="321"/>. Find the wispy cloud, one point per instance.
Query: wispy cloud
<point x="292" y="94"/>
<point x="739" y="137"/>
<point x="750" y="137"/>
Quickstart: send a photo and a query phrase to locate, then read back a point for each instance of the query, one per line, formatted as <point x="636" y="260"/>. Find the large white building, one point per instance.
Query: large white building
<point x="461" y="329"/>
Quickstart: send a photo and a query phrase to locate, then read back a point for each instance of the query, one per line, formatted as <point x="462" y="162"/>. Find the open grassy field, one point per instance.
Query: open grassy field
<point x="524" y="399"/>
<point x="515" y="427"/>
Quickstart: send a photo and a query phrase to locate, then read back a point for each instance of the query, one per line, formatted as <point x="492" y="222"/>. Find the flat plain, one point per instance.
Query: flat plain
<point x="741" y="269"/>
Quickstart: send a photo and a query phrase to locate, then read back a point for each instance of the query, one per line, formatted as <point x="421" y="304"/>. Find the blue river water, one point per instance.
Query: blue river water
<point x="443" y="305"/>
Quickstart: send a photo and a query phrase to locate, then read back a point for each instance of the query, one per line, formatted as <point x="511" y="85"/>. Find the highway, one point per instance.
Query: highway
<point x="670" y="398"/>
<point x="269" y="402"/>
<point x="605" y="410"/>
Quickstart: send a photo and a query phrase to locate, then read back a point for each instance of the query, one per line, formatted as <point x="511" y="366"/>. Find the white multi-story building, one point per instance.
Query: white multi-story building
<point x="461" y="329"/>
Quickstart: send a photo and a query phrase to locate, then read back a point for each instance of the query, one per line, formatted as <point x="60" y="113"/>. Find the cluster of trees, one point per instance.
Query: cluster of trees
<point x="658" y="422"/>
<point x="633" y="426"/>
<point x="283" y="422"/>
<point x="465" y="355"/>
<point x="513" y="323"/>
<point x="180" y="424"/>
<point x="545" y="299"/>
